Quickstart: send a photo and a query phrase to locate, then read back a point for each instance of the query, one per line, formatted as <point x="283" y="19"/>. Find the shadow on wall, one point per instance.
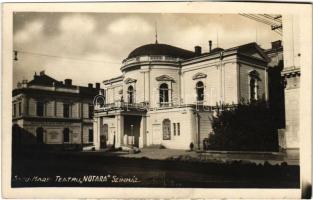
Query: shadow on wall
<point x="23" y="140"/>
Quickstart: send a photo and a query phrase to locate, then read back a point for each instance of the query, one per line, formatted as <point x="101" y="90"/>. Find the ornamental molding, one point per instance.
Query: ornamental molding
<point x="130" y="80"/>
<point x="164" y="78"/>
<point x="198" y="76"/>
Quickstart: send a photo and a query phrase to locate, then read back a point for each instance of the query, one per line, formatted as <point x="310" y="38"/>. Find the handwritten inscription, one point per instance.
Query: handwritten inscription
<point x="79" y="179"/>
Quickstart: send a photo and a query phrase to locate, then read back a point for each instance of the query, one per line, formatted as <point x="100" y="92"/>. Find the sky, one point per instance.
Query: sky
<point x="90" y="47"/>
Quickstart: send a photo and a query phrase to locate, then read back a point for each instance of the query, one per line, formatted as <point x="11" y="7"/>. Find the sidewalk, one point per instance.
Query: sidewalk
<point x="214" y="156"/>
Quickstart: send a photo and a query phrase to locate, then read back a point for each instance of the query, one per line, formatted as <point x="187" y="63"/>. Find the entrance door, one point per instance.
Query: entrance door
<point x="156" y="134"/>
<point x="39" y="135"/>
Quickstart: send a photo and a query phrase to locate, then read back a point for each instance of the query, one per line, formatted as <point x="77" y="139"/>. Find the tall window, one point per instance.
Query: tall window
<point x="164" y="94"/>
<point x="253" y="85"/>
<point x="20" y="108"/>
<point x="200" y="91"/>
<point x="66" y="110"/>
<point x="39" y="108"/>
<point x="252" y="89"/>
<point x="91" y="109"/>
<point x="39" y="135"/>
<point x="174" y="128"/>
<point x="66" y="135"/>
<point x="166" y="129"/>
<point x="130" y="92"/>
<point x="90" y="135"/>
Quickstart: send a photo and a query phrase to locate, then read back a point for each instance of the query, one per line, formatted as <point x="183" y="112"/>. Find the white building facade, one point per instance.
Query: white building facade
<point x="167" y="95"/>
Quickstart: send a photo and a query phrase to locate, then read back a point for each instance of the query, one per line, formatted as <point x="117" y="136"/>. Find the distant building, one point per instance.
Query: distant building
<point x="168" y="95"/>
<point x="47" y="111"/>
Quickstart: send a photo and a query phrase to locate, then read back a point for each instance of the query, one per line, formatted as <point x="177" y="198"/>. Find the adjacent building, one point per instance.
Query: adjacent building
<point x="168" y="95"/>
<point x="291" y="74"/>
<point x="48" y="111"/>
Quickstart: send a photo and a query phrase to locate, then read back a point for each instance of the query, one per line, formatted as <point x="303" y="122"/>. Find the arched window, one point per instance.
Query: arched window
<point x="164" y="94"/>
<point x="39" y="135"/>
<point x="200" y="91"/>
<point x="130" y="92"/>
<point x="66" y="135"/>
<point x="166" y="129"/>
<point x="253" y="89"/>
<point x="253" y="85"/>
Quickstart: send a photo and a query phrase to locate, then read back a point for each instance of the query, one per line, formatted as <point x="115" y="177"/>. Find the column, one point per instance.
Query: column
<point x="143" y="131"/>
<point x="96" y="132"/>
<point x="119" y="120"/>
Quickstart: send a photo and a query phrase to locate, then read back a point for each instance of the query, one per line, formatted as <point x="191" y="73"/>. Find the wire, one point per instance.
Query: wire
<point x="265" y="21"/>
<point x="68" y="58"/>
<point x="262" y="19"/>
<point x="276" y="18"/>
<point x="256" y="19"/>
<point x="270" y="17"/>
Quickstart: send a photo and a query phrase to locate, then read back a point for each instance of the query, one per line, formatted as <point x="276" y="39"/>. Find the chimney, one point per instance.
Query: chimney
<point x="210" y="45"/>
<point x="197" y="50"/>
<point x="276" y="44"/>
<point x="42" y="73"/>
<point x="68" y="82"/>
<point x="89" y="85"/>
<point x="97" y="85"/>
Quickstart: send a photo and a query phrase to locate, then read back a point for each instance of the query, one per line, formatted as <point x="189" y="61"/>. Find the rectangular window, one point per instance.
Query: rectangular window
<point x="14" y="110"/>
<point x="39" y="108"/>
<point x="66" y="110"/>
<point x="19" y="108"/>
<point x="90" y="136"/>
<point x="178" y="129"/>
<point x="174" y="127"/>
<point x="90" y="111"/>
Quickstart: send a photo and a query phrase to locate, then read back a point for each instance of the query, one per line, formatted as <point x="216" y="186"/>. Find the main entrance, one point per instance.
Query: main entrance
<point x="131" y="130"/>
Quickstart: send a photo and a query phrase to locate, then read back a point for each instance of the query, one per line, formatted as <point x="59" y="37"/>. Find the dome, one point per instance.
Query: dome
<point x="161" y="49"/>
<point x="217" y="49"/>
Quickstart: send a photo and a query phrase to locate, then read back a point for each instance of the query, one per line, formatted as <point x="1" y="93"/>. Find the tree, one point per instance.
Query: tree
<point x="245" y="127"/>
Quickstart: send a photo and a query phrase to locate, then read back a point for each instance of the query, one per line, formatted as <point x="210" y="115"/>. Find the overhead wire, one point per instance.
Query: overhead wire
<point x="62" y="57"/>
<point x="266" y="19"/>
<point x="270" y="18"/>
<point x="257" y="19"/>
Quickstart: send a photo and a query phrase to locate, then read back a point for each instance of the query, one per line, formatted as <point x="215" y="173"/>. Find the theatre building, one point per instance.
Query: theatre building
<point x="47" y="111"/>
<point x="168" y="95"/>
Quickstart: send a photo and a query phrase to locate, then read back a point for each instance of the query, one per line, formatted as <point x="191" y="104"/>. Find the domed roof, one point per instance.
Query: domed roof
<point x="161" y="49"/>
<point x="217" y="49"/>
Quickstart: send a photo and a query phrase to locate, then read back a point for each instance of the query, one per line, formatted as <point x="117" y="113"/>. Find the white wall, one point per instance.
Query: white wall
<point x="187" y="128"/>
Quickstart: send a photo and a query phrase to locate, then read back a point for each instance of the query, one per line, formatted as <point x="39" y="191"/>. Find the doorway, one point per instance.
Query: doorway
<point x="132" y="130"/>
<point x="39" y="135"/>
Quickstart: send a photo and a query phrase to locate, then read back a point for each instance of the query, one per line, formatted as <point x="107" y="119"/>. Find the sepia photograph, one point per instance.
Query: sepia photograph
<point x="155" y="99"/>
